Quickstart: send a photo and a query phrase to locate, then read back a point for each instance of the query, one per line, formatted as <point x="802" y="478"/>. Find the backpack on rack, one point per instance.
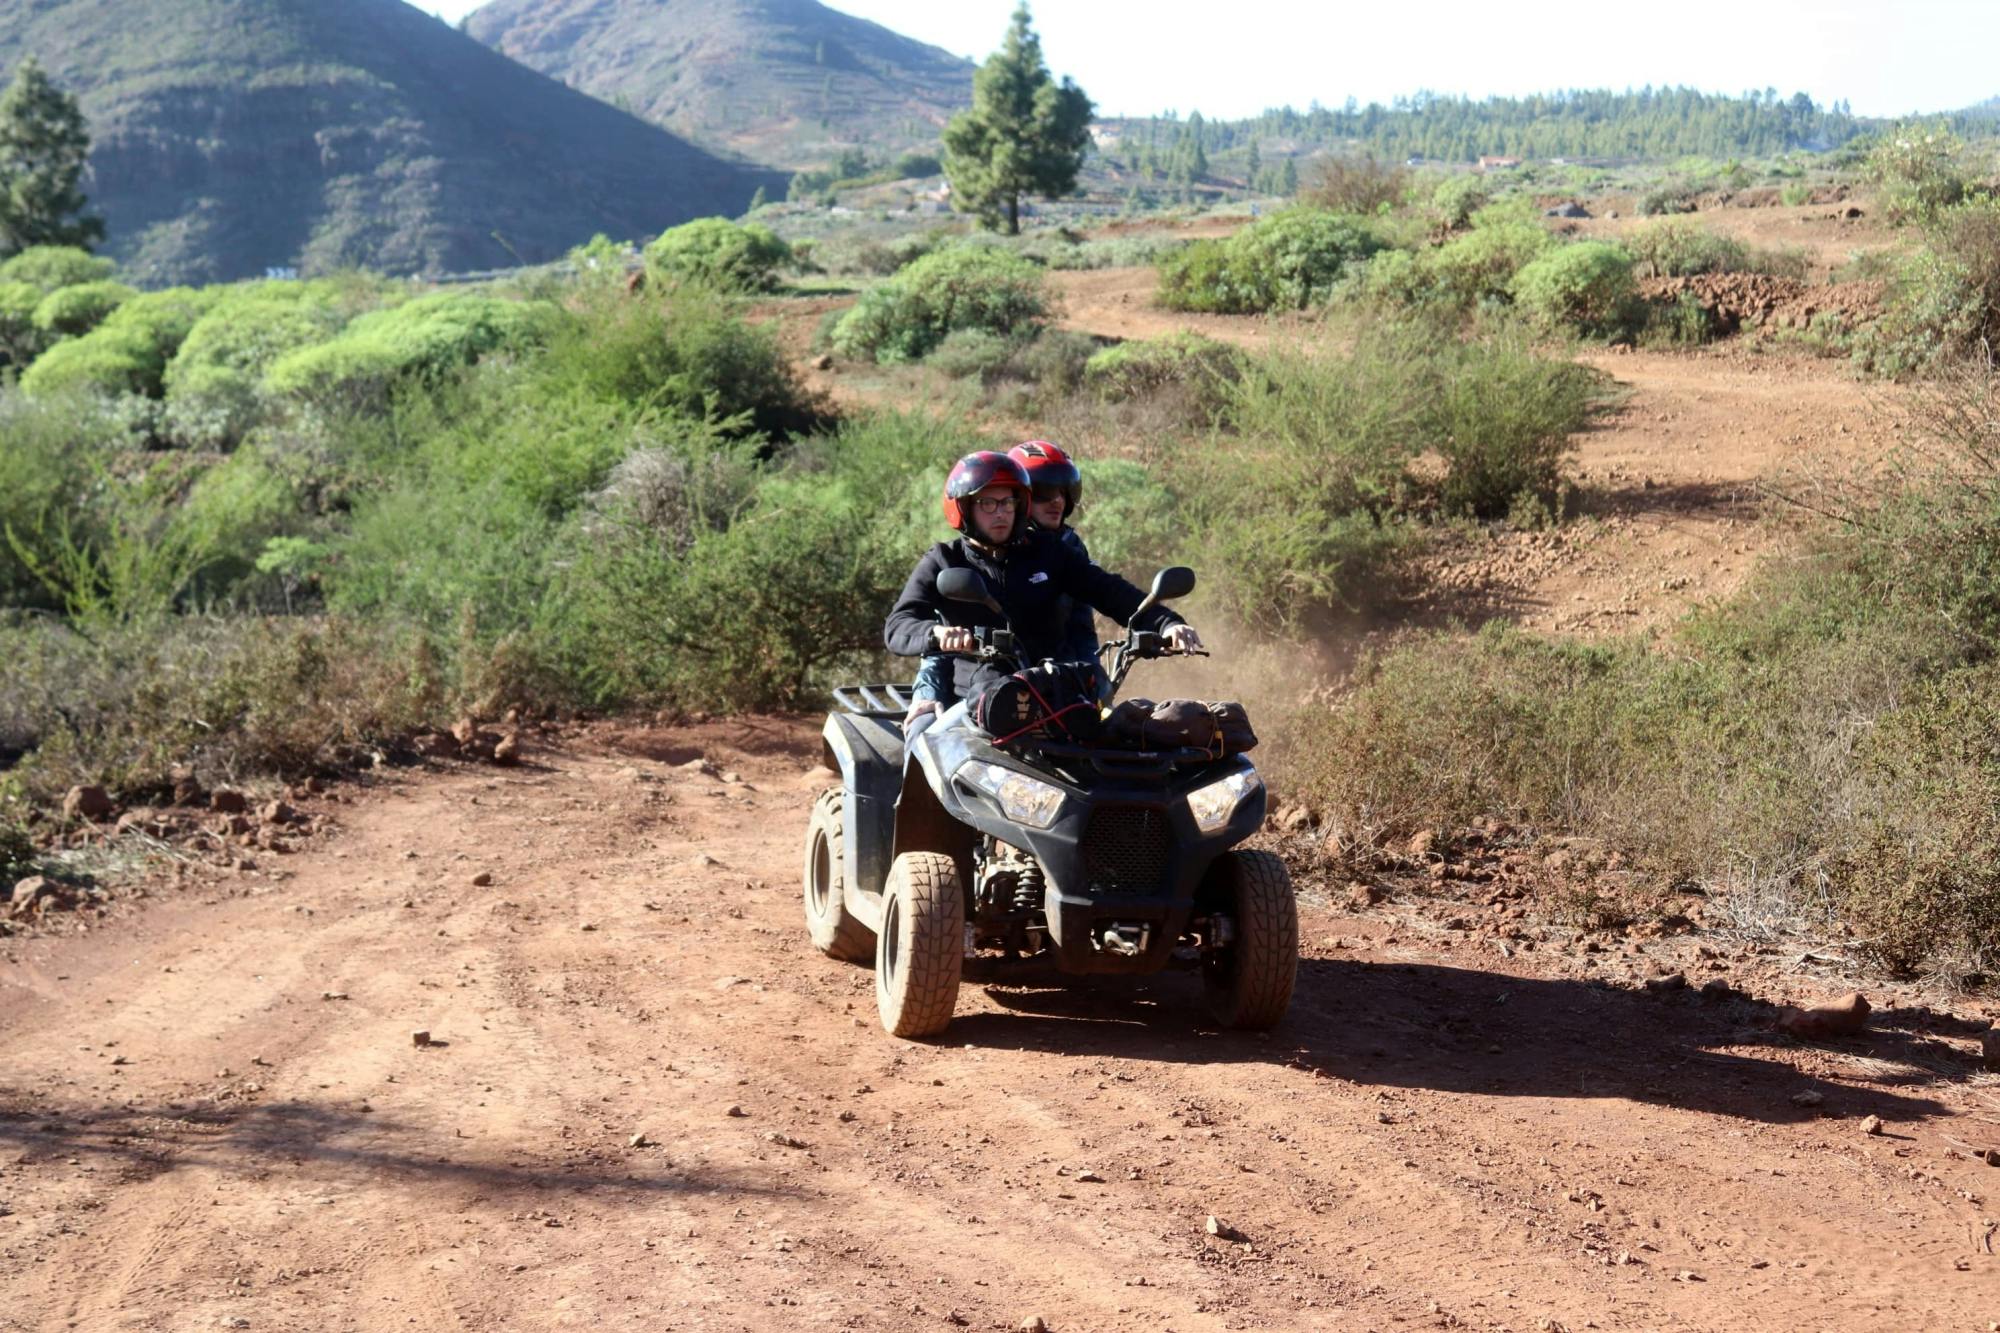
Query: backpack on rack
<point x="1180" y="724"/>
<point x="1056" y="701"/>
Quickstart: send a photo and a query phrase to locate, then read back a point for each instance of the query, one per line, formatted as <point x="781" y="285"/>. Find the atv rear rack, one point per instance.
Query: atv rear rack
<point x="874" y="700"/>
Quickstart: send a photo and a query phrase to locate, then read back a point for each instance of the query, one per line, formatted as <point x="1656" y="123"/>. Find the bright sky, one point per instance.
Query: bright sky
<point x="1886" y="57"/>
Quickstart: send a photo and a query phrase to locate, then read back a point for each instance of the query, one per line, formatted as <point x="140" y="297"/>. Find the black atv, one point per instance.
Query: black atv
<point x="963" y="856"/>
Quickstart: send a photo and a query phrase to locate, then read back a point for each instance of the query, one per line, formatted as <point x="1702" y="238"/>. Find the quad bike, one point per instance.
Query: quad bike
<point x="964" y="855"/>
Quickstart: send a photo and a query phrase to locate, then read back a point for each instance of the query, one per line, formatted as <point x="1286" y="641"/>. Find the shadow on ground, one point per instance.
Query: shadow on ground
<point x="1488" y="1034"/>
<point x="333" y="1147"/>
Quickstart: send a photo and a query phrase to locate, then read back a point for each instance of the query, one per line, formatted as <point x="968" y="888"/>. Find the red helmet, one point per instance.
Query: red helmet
<point x="1050" y="472"/>
<point x="973" y="474"/>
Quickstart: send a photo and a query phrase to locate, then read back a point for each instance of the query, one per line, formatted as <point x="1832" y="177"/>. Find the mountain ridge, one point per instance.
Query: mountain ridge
<point x="786" y="82"/>
<point x="235" y="136"/>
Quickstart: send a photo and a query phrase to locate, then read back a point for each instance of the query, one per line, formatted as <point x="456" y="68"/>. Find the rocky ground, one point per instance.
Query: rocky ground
<point x="546" y="1047"/>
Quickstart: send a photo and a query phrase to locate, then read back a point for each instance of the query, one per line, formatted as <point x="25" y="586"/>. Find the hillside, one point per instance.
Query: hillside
<point x="778" y="81"/>
<point x="236" y="135"/>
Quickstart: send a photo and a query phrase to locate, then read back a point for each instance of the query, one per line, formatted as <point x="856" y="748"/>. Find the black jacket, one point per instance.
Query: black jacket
<point x="1029" y="579"/>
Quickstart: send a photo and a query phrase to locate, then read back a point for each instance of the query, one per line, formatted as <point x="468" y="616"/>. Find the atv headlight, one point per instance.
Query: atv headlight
<point x="1214" y="804"/>
<point x="1023" y="799"/>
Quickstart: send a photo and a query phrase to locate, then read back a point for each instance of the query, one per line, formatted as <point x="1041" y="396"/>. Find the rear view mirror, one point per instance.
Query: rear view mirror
<point x="965" y="585"/>
<point x="1172" y="582"/>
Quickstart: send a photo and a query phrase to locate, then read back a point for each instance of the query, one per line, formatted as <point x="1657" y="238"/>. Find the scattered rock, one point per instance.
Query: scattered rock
<point x="1716" y="989"/>
<point x="783" y="1140"/>
<point x="437" y="745"/>
<point x="824" y="361"/>
<point x="1808" y="1098"/>
<point x="92" y="803"/>
<point x="421" y="1037"/>
<point x="1221" y="1230"/>
<point x="1293" y="818"/>
<point x="1844" y="1017"/>
<point x="333" y="995"/>
<point x="277" y="812"/>
<point x="1363" y="895"/>
<point x="482" y="879"/>
<point x="1673" y="981"/>
<point x="1089" y="1177"/>
<point x="1422" y="844"/>
<point x="1034" y="1323"/>
<point x="508" y="751"/>
<point x="1871" y="1124"/>
<point x="27" y="893"/>
<point x="736" y="1112"/>
<point x="465" y="730"/>
<point x="228" y="802"/>
<point x="639" y="1140"/>
<point x="1989" y="1048"/>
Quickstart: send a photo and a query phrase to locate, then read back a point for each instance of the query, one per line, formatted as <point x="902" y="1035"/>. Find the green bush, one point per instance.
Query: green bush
<point x="730" y="256"/>
<point x="1673" y="196"/>
<point x="1457" y="198"/>
<point x="680" y="353"/>
<point x="970" y="353"/>
<point x="71" y="311"/>
<point x="1131" y="518"/>
<point x="127" y="353"/>
<point x="1674" y="249"/>
<point x="1287" y="261"/>
<point x="213" y="383"/>
<point x="20" y="341"/>
<point x="904" y="317"/>
<point x="916" y="164"/>
<point x="1147" y="366"/>
<point x="1945" y="300"/>
<point x="107" y="361"/>
<point x="49" y="268"/>
<point x="422" y="340"/>
<point x="1586" y="285"/>
<point x="1481" y="264"/>
<point x="50" y="456"/>
<point x="1919" y="170"/>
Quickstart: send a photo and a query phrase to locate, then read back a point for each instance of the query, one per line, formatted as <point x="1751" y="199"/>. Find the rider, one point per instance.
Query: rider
<point x="1028" y="570"/>
<point x="1056" y="488"/>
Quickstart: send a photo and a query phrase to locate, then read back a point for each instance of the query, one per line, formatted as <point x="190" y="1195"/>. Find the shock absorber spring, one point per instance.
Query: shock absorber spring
<point x="1028" y="888"/>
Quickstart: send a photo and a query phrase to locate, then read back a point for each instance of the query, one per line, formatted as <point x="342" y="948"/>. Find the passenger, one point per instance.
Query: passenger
<point x="1029" y="570"/>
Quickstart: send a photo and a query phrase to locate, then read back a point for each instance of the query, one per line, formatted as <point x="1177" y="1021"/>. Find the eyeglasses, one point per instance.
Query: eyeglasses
<point x="995" y="504"/>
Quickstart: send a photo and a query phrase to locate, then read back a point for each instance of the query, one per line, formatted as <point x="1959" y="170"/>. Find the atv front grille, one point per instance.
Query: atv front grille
<point x="1126" y="850"/>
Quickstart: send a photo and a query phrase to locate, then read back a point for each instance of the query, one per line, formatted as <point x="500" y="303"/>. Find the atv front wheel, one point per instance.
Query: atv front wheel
<point x="920" y="950"/>
<point x="1249" y="980"/>
<point x="835" y="931"/>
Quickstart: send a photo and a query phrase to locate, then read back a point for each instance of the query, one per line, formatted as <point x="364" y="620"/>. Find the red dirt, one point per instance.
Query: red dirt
<point x="213" y="1111"/>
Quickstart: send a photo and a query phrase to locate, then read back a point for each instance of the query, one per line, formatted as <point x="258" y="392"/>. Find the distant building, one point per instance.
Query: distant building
<point x="1105" y="137"/>
<point x="1499" y="163"/>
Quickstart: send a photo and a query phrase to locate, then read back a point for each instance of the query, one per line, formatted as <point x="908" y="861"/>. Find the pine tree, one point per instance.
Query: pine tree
<point x="1024" y="134"/>
<point x="1288" y="178"/>
<point x="1255" y="165"/>
<point x="43" y="147"/>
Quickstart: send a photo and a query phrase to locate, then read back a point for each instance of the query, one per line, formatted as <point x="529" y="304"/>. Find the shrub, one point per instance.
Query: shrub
<point x="127" y="353"/>
<point x="680" y="353"/>
<point x="50" y="454"/>
<point x="1945" y="301"/>
<point x="107" y="361"/>
<point x="1364" y="185"/>
<point x="1481" y="264"/>
<point x="421" y="339"/>
<point x="1587" y="285"/>
<point x="1457" y="198"/>
<point x="966" y="353"/>
<point x="70" y="311"/>
<point x="1674" y="249"/>
<point x="730" y="256"/>
<point x="1133" y="369"/>
<point x="1919" y="171"/>
<point x="20" y="341"/>
<point x="916" y="164"/>
<point x="48" y="268"/>
<point x="1289" y="260"/>
<point x="213" y="382"/>
<point x="1132" y="520"/>
<point x="1672" y="196"/>
<point x="903" y="318"/>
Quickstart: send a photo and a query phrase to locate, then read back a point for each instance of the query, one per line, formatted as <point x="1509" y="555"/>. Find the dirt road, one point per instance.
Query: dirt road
<point x="213" y="1115"/>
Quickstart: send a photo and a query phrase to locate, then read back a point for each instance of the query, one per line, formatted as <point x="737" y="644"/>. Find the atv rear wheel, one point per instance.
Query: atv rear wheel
<point x="920" y="950"/>
<point x="1249" y="980"/>
<point x="835" y="931"/>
